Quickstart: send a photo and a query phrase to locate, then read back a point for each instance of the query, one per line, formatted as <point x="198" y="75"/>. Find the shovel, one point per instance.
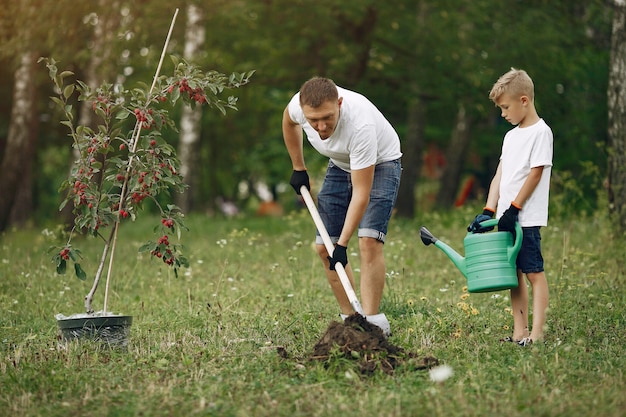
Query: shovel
<point x="343" y="277"/>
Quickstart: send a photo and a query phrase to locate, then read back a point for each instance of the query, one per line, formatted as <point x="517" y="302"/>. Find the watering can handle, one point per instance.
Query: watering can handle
<point x="518" y="235"/>
<point x="489" y="223"/>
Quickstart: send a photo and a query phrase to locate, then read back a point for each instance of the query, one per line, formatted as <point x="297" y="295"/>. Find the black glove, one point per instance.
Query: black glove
<point x="298" y="179"/>
<point x="339" y="255"/>
<point x="508" y="220"/>
<point x="475" y="226"/>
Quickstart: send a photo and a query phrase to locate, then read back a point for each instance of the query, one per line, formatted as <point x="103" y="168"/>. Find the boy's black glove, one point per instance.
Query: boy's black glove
<point x="475" y="226"/>
<point x="298" y="179"/>
<point x="508" y="220"/>
<point x="339" y="255"/>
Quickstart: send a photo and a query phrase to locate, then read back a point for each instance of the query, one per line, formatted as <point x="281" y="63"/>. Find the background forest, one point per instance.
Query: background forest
<point x="428" y="65"/>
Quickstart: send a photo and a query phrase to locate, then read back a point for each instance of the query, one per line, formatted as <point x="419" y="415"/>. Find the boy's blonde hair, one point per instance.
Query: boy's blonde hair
<point x="516" y="83"/>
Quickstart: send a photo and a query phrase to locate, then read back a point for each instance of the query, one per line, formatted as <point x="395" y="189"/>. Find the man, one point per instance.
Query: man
<point x="361" y="183"/>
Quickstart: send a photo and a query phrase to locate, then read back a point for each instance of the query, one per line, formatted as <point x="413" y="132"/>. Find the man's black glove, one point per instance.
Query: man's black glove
<point x="508" y="219"/>
<point x="298" y="179"/>
<point x="339" y="255"/>
<point x="475" y="226"/>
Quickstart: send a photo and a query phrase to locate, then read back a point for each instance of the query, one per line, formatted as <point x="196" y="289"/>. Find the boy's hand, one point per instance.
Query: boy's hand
<point x="339" y="255"/>
<point x="475" y="226"/>
<point x="298" y="179"/>
<point x="508" y="219"/>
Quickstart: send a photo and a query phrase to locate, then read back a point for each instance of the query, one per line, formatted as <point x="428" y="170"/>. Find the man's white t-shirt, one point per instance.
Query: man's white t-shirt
<point x="363" y="136"/>
<point x="523" y="149"/>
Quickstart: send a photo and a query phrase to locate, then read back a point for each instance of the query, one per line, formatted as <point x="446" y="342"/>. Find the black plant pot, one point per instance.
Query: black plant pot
<point x="113" y="331"/>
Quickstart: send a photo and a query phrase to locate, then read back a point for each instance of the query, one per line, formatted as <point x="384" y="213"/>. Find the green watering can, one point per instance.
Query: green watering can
<point x="489" y="262"/>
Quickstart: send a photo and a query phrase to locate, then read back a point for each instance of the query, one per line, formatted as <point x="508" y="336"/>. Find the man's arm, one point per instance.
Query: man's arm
<point x="362" y="180"/>
<point x="292" y="135"/>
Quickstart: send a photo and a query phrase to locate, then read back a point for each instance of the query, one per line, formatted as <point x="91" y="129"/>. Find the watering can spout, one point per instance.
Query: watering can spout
<point x="427" y="237"/>
<point x="455" y="257"/>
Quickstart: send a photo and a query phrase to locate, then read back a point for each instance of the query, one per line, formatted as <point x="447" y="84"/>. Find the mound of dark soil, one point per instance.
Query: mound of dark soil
<point x="359" y="340"/>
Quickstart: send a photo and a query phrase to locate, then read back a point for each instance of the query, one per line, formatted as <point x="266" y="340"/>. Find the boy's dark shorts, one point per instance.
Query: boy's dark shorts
<point x="529" y="259"/>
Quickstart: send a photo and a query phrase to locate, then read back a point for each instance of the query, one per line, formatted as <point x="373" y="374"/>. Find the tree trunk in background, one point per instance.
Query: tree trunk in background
<point x="455" y="158"/>
<point x="20" y="147"/>
<point x="617" y="120"/>
<point x="191" y="118"/>
<point x="412" y="147"/>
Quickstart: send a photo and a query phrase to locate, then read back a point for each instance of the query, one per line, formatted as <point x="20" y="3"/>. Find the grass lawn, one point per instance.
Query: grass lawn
<point x="206" y="343"/>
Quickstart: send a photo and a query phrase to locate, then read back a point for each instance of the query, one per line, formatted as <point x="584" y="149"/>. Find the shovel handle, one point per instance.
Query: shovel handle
<point x="343" y="276"/>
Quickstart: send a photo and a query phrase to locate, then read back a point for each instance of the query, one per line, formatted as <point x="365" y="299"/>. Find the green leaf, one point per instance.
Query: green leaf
<point x="57" y="101"/>
<point x="68" y="91"/>
<point x="122" y="114"/>
<point x="61" y="266"/>
<point x="65" y="74"/>
<point x="147" y="246"/>
<point x="80" y="273"/>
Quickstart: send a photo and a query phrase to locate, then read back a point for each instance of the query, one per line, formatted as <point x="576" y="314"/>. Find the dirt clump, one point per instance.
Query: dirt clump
<point x="359" y="340"/>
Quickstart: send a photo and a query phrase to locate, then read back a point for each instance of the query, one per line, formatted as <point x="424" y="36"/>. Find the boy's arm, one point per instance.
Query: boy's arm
<point x="490" y="205"/>
<point x="509" y="217"/>
<point x="529" y="185"/>
<point x="494" y="189"/>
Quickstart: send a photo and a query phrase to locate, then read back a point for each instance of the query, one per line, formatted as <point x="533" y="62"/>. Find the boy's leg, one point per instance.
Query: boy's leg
<point x="530" y="261"/>
<point x="540" y="295"/>
<point x="519" y="306"/>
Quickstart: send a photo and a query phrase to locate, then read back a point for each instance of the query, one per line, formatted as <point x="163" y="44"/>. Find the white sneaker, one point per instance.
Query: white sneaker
<point x="379" y="320"/>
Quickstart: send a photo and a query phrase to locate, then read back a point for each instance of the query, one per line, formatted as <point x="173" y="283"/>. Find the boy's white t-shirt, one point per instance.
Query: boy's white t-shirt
<point x="363" y="136"/>
<point x="523" y="149"/>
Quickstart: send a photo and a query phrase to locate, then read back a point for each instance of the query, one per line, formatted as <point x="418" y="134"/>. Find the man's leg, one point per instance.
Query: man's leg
<point x="372" y="274"/>
<point x="335" y="282"/>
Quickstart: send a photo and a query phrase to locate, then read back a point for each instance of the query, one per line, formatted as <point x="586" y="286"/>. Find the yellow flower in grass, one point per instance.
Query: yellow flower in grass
<point x="465" y="288"/>
<point x="410" y="302"/>
<point x="475" y="311"/>
<point x="462" y="305"/>
<point x="423" y="299"/>
<point x="505" y="327"/>
<point x="464" y="296"/>
<point x="457" y="333"/>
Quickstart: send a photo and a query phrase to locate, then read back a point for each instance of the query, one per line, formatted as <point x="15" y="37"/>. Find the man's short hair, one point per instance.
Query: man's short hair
<point x="317" y="91"/>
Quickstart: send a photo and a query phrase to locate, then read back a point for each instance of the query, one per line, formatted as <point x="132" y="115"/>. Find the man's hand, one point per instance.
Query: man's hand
<point x="298" y="179"/>
<point x="508" y="219"/>
<point x="475" y="226"/>
<point x="339" y="255"/>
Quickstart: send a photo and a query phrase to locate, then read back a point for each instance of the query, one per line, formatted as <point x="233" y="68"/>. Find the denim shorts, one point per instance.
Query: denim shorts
<point x="529" y="259"/>
<point x="334" y="198"/>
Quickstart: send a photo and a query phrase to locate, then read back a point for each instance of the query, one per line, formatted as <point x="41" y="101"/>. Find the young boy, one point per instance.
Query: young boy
<point x="519" y="190"/>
